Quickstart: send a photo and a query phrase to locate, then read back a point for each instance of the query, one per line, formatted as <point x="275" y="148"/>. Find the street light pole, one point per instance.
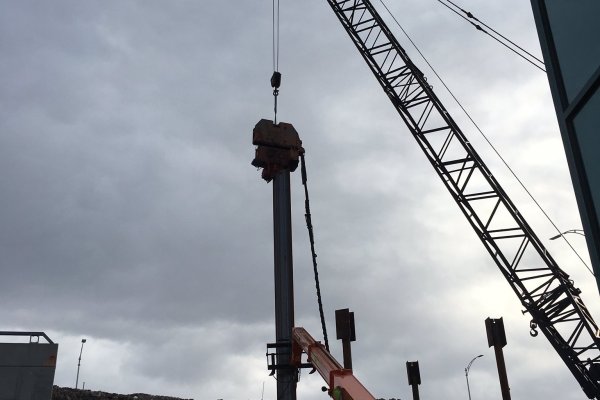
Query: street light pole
<point x="467" y="373"/>
<point x="79" y="363"/>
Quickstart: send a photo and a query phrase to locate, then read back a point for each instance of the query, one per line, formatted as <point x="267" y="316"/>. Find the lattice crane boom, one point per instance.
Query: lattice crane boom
<point x="543" y="288"/>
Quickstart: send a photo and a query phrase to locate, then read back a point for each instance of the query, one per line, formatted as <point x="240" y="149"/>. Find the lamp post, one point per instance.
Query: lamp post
<point x="467" y="373"/>
<point x="79" y="363"/>
<point x="577" y="231"/>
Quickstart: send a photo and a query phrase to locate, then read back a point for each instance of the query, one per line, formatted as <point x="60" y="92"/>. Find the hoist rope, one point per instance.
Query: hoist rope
<point x="275" y="35"/>
<point x="275" y="82"/>
<point x="469" y="16"/>
<point x="486" y="138"/>
<point x="276" y="77"/>
<point x="312" y="249"/>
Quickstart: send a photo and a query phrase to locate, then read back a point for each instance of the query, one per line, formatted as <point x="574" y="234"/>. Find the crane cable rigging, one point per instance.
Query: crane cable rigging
<point x="275" y="84"/>
<point x="503" y="40"/>
<point x="513" y="173"/>
<point x="276" y="77"/>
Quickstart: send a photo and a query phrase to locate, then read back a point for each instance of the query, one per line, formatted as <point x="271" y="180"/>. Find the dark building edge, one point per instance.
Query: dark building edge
<point x="566" y="113"/>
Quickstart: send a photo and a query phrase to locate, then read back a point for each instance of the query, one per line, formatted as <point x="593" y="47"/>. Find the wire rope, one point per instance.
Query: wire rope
<point x="276" y="77"/>
<point x="479" y="28"/>
<point x="275" y="15"/>
<point x="470" y="15"/>
<point x="277" y="64"/>
<point x="513" y="173"/>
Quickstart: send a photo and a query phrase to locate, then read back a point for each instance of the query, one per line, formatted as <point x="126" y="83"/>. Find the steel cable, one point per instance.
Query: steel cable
<point x="470" y="15"/>
<point x="479" y="28"/>
<point x="275" y="36"/>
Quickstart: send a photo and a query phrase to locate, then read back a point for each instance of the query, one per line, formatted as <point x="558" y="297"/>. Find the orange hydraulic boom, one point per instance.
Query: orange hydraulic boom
<point x="343" y="385"/>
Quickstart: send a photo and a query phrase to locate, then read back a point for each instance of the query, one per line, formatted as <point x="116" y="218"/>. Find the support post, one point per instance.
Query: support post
<point x="284" y="282"/>
<point x="415" y="392"/>
<point x="414" y="377"/>
<point x="468" y="387"/>
<point x="497" y="338"/>
<point x="344" y="326"/>
<point x="504" y="388"/>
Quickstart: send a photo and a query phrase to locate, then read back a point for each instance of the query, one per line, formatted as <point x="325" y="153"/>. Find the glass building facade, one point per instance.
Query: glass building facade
<point x="569" y="32"/>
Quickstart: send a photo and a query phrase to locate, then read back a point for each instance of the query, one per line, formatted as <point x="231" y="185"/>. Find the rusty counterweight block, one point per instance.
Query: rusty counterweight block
<point x="278" y="148"/>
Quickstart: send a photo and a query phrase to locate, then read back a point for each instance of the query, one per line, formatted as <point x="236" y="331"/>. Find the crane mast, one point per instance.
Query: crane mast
<point x="545" y="290"/>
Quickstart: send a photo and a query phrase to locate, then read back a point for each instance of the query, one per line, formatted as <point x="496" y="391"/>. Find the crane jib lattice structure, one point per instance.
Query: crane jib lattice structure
<point x="543" y="288"/>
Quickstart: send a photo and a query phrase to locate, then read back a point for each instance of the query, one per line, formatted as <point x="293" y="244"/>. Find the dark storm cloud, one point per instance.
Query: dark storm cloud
<point x="100" y="180"/>
<point x="131" y="215"/>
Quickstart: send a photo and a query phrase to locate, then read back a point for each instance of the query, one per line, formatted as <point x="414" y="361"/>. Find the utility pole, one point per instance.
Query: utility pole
<point x="277" y="152"/>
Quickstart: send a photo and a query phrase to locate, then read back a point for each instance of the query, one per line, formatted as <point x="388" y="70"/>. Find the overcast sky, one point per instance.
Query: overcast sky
<point x="130" y="214"/>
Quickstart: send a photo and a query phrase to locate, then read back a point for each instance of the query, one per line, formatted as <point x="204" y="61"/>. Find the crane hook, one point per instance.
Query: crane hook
<point x="275" y="83"/>
<point x="533" y="325"/>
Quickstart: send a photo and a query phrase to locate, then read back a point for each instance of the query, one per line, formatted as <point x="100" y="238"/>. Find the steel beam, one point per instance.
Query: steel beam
<point x="284" y="282"/>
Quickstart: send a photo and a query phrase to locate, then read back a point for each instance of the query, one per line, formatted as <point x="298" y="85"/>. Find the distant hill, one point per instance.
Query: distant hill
<point x="59" y="393"/>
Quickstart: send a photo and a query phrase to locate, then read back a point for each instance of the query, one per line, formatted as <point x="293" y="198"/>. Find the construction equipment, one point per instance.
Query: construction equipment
<point x="343" y="385"/>
<point x="545" y="290"/>
<point x="278" y="147"/>
<point x="277" y="152"/>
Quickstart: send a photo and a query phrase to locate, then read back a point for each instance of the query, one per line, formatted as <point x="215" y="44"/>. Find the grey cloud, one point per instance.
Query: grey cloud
<point x="131" y="214"/>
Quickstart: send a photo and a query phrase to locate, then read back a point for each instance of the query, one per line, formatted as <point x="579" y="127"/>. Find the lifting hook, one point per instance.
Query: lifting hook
<point x="533" y="325"/>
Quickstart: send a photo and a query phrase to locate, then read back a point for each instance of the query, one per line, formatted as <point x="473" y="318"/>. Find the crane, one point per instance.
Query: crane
<point x="543" y="288"/>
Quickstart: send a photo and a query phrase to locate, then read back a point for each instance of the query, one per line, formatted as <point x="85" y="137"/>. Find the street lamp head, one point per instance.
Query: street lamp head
<point x="471" y="363"/>
<point x="467" y="373"/>
<point x="83" y="340"/>
<point x="577" y="231"/>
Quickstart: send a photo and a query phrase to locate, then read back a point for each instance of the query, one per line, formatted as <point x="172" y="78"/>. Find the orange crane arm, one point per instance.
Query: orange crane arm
<point x="343" y="385"/>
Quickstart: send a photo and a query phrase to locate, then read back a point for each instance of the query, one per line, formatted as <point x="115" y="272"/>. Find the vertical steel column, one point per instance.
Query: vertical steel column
<point x="344" y="326"/>
<point x="284" y="281"/>
<point x="415" y="392"/>
<point x="277" y="152"/>
<point x="414" y="377"/>
<point x="504" y="388"/>
<point x="497" y="337"/>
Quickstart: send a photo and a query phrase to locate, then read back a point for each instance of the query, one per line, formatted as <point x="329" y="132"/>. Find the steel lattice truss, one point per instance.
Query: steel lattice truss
<point x="542" y="287"/>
